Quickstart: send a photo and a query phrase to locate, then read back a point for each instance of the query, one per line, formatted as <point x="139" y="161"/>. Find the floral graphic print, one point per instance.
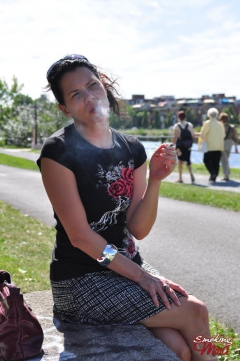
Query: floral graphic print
<point x="122" y="186"/>
<point x="118" y="181"/>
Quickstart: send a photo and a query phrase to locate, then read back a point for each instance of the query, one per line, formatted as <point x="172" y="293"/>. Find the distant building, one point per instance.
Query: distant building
<point x="198" y="106"/>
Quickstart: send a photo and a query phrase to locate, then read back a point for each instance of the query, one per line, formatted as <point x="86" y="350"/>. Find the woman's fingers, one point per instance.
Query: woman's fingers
<point x="178" y="288"/>
<point x="160" y="286"/>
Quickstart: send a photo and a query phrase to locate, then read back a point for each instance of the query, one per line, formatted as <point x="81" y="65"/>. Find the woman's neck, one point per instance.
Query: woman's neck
<point x="101" y="137"/>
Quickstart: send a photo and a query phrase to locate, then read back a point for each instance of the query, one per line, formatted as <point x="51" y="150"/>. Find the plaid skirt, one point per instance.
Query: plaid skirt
<point x="104" y="298"/>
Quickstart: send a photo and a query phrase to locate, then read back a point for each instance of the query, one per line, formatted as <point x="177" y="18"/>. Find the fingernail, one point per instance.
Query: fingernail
<point x="169" y="307"/>
<point x="179" y="303"/>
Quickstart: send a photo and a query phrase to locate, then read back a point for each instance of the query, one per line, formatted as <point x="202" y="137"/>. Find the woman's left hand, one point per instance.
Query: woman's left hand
<point x="162" y="162"/>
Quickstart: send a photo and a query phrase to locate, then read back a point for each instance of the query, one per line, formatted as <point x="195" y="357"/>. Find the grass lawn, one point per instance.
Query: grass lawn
<point x="25" y="249"/>
<point x="189" y="193"/>
<point x="17" y="162"/>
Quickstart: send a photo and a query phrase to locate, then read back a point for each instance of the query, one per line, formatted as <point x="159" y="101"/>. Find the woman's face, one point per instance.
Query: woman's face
<point x="84" y="96"/>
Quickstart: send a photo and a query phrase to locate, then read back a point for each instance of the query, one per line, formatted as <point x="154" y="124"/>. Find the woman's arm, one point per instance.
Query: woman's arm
<point x="142" y="212"/>
<point x="175" y="135"/>
<point x="204" y="130"/>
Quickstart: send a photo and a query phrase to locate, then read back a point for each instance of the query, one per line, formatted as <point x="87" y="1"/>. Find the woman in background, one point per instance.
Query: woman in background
<point x="213" y="134"/>
<point x="183" y="148"/>
<point x="231" y="138"/>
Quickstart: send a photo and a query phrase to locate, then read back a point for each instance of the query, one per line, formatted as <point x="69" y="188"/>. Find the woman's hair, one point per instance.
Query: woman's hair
<point x="60" y="68"/>
<point x="212" y="113"/>
<point x="181" y="115"/>
<point x="224" y="117"/>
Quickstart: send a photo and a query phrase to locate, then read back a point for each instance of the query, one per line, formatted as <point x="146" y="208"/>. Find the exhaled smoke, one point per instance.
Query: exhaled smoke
<point x="102" y="109"/>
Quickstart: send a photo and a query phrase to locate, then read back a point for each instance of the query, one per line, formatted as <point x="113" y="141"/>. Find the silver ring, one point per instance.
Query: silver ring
<point x="166" y="287"/>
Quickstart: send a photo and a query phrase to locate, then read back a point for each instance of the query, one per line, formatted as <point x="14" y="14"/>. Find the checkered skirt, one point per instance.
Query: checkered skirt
<point x="104" y="298"/>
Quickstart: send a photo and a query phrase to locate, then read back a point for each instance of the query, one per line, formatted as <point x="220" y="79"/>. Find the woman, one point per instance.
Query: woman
<point x="231" y="138"/>
<point x="95" y="178"/>
<point x="213" y="133"/>
<point x="183" y="150"/>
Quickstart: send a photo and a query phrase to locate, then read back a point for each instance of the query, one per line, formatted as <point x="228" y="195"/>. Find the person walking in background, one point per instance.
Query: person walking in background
<point x="183" y="139"/>
<point x="230" y="139"/>
<point x="213" y="133"/>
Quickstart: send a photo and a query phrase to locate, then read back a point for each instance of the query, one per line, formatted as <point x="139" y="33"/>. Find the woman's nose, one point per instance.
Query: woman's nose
<point x="88" y="96"/>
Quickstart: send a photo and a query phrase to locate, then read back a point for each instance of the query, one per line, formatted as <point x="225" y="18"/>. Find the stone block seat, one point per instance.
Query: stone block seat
<point x="65" y="341"/>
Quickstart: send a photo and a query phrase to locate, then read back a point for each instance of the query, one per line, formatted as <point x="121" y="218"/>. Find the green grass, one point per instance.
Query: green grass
<point x="195" y="194"/>
<point x="226" y="332"/>
<point x="25" y="251"/>
<point x="18" y="162"/>
<point x="201" y="169"/>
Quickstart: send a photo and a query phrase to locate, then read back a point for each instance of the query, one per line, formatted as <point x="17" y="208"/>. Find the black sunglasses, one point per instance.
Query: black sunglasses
<point x="55" y="67"/>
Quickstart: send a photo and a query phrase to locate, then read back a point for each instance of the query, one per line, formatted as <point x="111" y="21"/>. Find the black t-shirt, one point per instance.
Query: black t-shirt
<point x="105" y="183"/>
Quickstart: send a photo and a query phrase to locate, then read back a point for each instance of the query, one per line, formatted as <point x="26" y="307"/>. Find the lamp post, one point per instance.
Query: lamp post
<point x="35" y="135"/>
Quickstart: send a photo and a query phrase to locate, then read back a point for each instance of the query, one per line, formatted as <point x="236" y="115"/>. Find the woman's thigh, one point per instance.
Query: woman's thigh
<point x="177" y="317"/>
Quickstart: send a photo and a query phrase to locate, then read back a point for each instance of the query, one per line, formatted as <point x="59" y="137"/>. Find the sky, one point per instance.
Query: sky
<point x="184" y="48"/>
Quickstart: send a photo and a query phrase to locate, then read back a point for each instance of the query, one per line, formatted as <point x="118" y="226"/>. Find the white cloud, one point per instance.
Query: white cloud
<point x="154" y="46"/>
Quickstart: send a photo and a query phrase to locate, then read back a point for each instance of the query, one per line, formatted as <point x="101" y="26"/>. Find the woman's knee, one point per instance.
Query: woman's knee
<point x="198" y="309"/>
<point x="184" y="353"/>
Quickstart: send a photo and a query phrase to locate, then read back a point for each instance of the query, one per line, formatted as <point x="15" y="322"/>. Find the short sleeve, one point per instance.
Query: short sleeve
<point x="54" y="148"/>
<point x="138" y="151"/>
<point x="142" y="156"/>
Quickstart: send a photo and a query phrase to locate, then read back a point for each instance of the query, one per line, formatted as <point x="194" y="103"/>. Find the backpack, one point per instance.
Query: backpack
<point x="185" y="140"/>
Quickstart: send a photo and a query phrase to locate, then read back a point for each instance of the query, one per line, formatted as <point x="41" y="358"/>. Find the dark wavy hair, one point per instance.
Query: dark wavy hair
<point x="181" y="115"/>
<point x="116" y="105"/>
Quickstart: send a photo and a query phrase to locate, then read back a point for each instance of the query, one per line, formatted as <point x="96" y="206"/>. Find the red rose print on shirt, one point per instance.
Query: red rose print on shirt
<point x="123" y="186"/>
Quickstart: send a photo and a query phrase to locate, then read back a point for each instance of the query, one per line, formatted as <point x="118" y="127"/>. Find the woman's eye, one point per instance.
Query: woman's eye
<point x="92" y="84"/>
<point x="77" y="94"/>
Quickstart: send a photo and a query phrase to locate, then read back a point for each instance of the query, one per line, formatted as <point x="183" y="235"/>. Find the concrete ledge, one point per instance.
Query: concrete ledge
<point x="64" y="341"/>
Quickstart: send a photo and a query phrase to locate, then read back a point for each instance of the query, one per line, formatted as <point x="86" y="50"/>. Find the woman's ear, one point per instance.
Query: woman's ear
<point x="63" y="108"/>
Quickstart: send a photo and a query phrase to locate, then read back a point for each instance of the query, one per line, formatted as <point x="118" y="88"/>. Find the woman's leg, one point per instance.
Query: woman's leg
<point x="225" y="167"/>
<point x="174" y="340"/>
<point x="180" y="170"/>
<point x="207" y="160"/>
<point x="216" y="161"/>
<point x="190" y="319"/>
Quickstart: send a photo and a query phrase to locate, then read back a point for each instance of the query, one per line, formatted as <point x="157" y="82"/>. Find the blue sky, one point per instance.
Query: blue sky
<point x="184" y="48"/>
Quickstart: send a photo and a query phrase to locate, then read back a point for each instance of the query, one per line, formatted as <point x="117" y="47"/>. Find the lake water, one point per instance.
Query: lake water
<point x="196" y="156"/>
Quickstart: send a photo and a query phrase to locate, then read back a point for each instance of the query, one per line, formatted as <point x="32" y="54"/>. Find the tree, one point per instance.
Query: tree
<point x="115" y="121"/>
<point x="156" y="119"/>
<point x="48" y="117"/>
<point x="190" y="117"/>
<point x="18" y="128"/>
<point x="7" y="96"/>
<point x="233" y="118"/>
<point x="169" y="119"/>
<point x="145" y="119"/>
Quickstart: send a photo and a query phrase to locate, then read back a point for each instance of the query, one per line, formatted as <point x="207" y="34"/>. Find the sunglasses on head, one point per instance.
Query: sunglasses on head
<point x="67" y="59"/>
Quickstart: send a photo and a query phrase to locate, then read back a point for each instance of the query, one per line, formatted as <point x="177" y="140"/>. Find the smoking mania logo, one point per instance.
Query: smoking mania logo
<point x="217" y="345"/>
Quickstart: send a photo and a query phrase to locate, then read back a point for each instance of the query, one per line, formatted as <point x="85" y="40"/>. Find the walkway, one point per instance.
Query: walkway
<point x="201" y="180"/>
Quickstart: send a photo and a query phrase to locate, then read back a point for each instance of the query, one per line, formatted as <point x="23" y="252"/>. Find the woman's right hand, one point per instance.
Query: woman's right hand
<point x="154" y="285"/>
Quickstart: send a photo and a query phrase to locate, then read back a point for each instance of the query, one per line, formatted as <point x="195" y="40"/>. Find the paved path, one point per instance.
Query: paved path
<point x="195" y="245"/>
<point x="201" y="180"/>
